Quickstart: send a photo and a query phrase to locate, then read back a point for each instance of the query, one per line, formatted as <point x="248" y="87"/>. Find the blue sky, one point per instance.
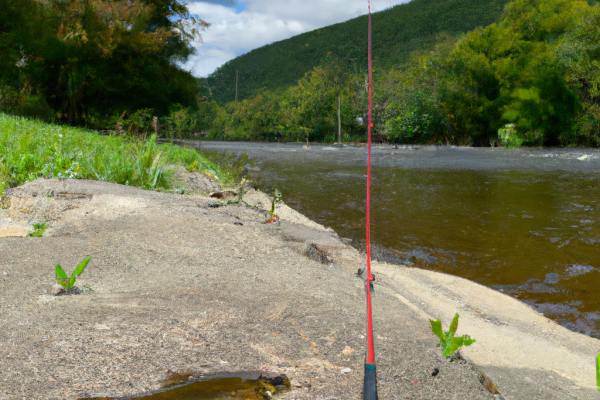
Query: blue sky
<point x="240" y="6"/>
<point x="240" y="26"/>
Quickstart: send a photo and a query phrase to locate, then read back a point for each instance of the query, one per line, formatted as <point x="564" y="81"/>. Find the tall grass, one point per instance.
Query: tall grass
<point x="30" y="149"/>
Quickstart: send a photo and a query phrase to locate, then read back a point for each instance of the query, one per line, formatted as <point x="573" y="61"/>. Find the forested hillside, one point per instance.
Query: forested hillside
<point x="397" y="32"/>
<point x="531" y="79"/>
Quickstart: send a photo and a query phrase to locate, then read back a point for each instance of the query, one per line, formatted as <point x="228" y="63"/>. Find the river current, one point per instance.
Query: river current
<point x="525" y="222"/>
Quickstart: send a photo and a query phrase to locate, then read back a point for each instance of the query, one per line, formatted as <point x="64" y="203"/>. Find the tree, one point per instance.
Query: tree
<point x="91" y="59"/>
<point x="578" y="54"/>
<point x="507" y="74"/>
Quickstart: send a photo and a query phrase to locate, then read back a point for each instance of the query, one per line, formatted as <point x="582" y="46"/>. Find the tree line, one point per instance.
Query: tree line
<point x="531" y="79"/>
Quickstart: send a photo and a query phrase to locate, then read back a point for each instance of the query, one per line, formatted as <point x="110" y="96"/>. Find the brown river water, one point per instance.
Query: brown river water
<point x="525" y="222"/>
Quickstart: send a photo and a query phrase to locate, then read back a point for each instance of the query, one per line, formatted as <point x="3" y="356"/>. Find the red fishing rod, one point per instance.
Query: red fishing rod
<point x="370" y="382"/>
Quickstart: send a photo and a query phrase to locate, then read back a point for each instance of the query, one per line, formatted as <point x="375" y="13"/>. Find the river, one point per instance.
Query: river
<point x="525" y="222"/>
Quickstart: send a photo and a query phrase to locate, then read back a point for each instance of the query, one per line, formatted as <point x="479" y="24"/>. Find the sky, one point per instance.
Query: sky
<point x="241" y="26"/>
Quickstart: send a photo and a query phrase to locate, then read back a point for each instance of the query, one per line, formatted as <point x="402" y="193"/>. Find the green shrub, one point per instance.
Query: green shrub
<point x="508" y="136"/>
<point x="24" y="104"/>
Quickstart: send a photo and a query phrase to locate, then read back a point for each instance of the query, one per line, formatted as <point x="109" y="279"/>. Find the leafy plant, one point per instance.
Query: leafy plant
<point x="449" y="343"/>
<point x="68" y="282"/>
<point x="508" y="137"/>
<point x="40" y="228"/>
<point x="276" y="199"/>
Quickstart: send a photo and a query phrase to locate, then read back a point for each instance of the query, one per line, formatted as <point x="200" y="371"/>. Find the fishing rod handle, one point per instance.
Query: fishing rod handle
<point x="370" y="385"/>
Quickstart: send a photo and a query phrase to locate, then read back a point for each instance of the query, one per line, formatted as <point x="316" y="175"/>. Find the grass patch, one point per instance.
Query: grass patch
<point x="30" y="149"/>
<point x="233" y="165"/>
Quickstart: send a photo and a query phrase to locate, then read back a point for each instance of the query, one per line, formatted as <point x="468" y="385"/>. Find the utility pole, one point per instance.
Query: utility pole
<point x="237" y="78"/>
<point x="340" y="119"/>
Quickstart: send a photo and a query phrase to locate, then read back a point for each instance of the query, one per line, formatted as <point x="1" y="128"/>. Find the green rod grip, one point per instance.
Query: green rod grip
<point x="598" y="371"/>
<point x="370" y="385"/>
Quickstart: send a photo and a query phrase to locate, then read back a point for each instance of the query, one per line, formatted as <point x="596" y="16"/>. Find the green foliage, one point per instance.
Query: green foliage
<point x="533" y="78"/>
<point x="26" y="104"/>
<point x="30" y="149"/>
<point x="64" y="280"/>
<point x="308" y="109"/>
<point x="39" y="229"/>
<point x="397" y="33"/>
<point x="276" y="199"/>
<point x="598" y="371"/>
<point x="448" y="342"/>
<point x="508" y="136"/>
<point x="188" y="122"/>
<point x="140" y="123"/>
<point x="577" y="53"/>
<point x="507" y="73"/>
<point x="83" y="61"/>
<point x="408" y="104"/>
<point x="232" y="165"/>
<point x="416" y="118"/>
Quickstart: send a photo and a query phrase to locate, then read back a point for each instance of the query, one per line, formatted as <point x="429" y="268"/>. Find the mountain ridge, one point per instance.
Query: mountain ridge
<point x="398" y="32"/>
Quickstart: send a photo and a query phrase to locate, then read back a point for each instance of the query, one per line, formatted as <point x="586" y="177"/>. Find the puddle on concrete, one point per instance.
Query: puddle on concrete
<point x="230" y="386"/>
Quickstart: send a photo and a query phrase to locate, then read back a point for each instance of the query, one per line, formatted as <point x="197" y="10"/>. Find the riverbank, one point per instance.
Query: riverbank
<point x="30" y="149"/>
<point x="525" y="222"/>
<point x="193" y="284"/>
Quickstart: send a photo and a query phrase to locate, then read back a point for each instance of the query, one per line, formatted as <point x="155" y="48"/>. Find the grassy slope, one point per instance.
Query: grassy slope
<point x="31" y="148"/>
<point x="397" y="32"/>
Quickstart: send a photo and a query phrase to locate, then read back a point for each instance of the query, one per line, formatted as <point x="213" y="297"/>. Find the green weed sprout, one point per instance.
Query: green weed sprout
<point x="276" y="199"/>
<point x="448" y="342"/>
<point x="598" y="371"/>
<point x="39" y="230"/>
<point x="62" y="278"/>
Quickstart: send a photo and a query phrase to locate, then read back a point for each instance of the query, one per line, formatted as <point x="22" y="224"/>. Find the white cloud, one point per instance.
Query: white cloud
<point x="255" y="23"/>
